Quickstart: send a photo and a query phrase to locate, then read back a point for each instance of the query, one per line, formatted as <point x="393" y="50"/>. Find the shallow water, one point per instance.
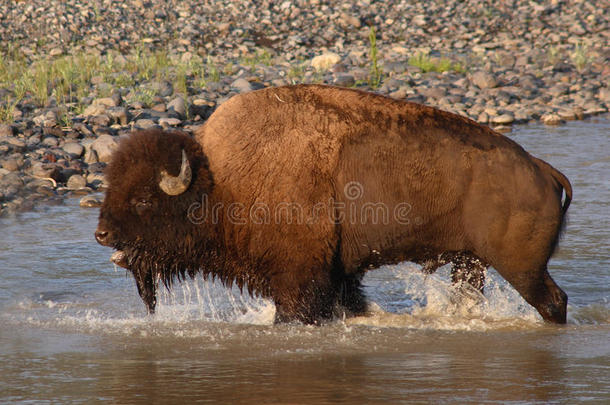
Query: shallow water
<point x="73" y="330"/>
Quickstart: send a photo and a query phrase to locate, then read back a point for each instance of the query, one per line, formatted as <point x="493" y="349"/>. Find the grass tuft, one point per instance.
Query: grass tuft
<point x="580" y="56"/>
<point x="428" y="64"/>
<point x="375" y="72"/>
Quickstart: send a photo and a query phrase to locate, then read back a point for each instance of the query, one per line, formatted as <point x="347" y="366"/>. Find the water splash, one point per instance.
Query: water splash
<point x="432" y="302"/>
<point x="209" y="301"/>
<point x="401" y="297"/>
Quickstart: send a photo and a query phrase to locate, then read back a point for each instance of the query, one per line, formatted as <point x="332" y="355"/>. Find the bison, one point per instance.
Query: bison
<point x="295" y="192"/>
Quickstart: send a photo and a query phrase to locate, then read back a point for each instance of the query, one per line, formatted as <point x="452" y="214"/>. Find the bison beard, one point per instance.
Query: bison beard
<point x="474" y="197"/>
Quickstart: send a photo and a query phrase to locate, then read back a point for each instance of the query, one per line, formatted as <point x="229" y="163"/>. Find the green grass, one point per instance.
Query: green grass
<point x="7" y="107"/>
<point x="181" y="79"/>
<point x="428" y="64"/>
<point x="580" y="56"/>
<point x="553" y="55"/>
<point x="261" y="57"/>
<point x="142" y="95"/>
<point x="212" y="72"/>
<point x="67" y="78"/>
<point x="296" y="73"/>
<point x="375" y="72"/>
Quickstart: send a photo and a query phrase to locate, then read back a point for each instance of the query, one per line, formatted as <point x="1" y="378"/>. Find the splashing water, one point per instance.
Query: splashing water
<point x="209" y="301"/>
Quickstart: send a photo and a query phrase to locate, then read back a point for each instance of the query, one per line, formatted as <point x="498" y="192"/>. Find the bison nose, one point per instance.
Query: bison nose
<point x="101" y="237"/>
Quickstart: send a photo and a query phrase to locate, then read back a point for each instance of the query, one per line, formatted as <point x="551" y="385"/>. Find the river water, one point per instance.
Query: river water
<point x="73" y="329"/>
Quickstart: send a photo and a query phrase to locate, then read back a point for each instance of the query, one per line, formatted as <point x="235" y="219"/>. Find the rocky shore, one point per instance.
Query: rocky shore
<point x="77" y="75"/>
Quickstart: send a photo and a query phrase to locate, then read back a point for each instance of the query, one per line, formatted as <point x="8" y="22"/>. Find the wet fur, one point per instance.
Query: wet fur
<point x="476" y="197"/>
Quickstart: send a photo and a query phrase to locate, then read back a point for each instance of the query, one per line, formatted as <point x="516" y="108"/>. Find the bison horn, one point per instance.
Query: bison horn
<point x="177" y="185"/>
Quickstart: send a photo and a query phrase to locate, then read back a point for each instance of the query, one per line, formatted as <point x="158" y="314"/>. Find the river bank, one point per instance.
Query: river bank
<point x="75" y="76"/>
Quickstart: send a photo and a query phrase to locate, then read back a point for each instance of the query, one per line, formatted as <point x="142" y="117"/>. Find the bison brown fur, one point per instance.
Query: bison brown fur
<point x="294" y="192"/>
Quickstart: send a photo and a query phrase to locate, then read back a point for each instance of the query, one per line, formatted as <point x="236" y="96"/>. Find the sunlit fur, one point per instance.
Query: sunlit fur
<point x="473" y="195"/>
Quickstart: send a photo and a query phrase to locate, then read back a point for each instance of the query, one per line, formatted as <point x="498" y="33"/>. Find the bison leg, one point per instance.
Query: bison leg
<point x="307" y="301"/>
<point x="146" y="289"/>
<point x="468" y="268"/>
<point x="350" y="298"/>
<point x="541" y="292"/>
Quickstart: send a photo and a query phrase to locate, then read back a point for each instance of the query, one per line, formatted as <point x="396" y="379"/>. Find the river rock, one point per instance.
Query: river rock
<point x="90" y="202"/>
<point x="178" y="105"/>
<point x="94" y="109"/>
<point x="75" y="182"/>
<point x="101" y="120"/>
<point x="96" y="180"/>
<point x="106" y="101"/>
<point x="145" y="123"/>
<point x="325" y="61"/>
<point x="119" y="115"/>
<point x="50" y="141"/>
<point x="504" y="119"/>
<point x="242" y="85"/>
<point x="6" y="130"/>
<point x="103" y="147"/>
<point x="551" y="119"/>
<point x="10" y="165"/>
<point x="344" y="80"/>
<point x="484" y="80"/>
<point x="74" y="149"/>
<point x="169" y="122"/>
<point x="46" y="170"/>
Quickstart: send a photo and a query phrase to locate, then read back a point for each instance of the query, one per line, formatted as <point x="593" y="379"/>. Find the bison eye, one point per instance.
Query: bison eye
<point x="142" y="205"/>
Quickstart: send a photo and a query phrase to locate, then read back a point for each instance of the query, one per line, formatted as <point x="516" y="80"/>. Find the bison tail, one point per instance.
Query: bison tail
<point x="567" y="187"/>
<point x="561" y="179"/>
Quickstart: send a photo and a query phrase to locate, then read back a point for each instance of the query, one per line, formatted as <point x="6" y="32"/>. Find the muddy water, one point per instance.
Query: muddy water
<point x="72" y="329"/>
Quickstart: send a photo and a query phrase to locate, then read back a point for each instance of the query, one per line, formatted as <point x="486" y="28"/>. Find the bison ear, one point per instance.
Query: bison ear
<point x="177" y="185"/>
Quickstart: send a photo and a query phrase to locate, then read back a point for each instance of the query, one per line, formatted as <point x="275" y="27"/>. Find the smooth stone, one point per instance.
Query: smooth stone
<point x="10" y="165"/>
<point x="432" y="92"/>
<point x="103" y="147"/>
<point x="145" y="123"/>
<point x="484" y="80"/>
<point x="106" y="101"/>
<point x="74" y="149"/>
<point x="567" y="115"/>
<point x="504" y="119"/>
<point x="94" y="109"/>
<point x="102" y="120"/>
<point x="399" y="94"/>
<point x="551" y="119"/>
<point x="90" y="202"/>
<point x="344" y="80"/>
<point x="96" y="179"/>
<point x="75" y="182"/>
<point x="503" y="128"/>
<point x="17" y="144"/>
<point x="50" y="141"/>
<point x="483" y="118"/>
<point x="46" y="171"/>
<point x="90" y="156"/>
<point x="242" y="85"/>
<point x="82" y="191"/>
<point x="350" y="20"/>
<point x="169" y="122"/>
<point x="6" y="130"/>
<point x="159" y="107"/>
<point x="178" y="105"/>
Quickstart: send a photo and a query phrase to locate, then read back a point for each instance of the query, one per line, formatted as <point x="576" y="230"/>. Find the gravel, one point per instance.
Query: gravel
<point x="504" y="63"/>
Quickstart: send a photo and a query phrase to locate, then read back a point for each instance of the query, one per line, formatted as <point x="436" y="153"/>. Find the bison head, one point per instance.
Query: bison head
<point x="154" y="177"/>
